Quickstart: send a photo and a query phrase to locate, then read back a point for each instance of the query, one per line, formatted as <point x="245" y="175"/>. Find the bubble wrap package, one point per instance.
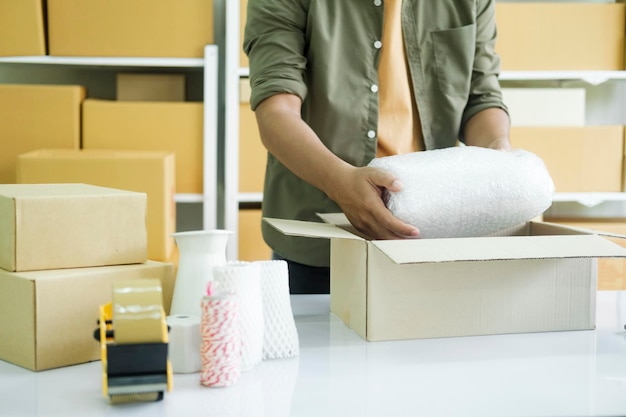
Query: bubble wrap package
<point x="467" y="191"/>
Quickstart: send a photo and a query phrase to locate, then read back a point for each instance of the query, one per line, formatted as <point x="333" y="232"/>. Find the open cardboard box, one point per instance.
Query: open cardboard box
<point x="535" y="277"/>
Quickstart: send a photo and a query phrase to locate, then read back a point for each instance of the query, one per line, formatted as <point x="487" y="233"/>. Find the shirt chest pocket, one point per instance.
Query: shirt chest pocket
<point x="453" y="51"/>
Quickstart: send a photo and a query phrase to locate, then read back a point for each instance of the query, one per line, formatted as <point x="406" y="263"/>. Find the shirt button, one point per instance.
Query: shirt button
<point x="377" y="2"/>
<point x="371" y="134"/>
<point x="374" y="88"/>
<point x="378" y="44"/>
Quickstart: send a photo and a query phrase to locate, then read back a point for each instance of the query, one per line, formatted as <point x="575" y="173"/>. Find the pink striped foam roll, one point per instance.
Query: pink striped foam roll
<point x="220" y="347"/>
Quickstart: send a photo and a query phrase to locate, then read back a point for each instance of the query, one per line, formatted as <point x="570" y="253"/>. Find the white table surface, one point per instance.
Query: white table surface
<point x="579" y="373"/>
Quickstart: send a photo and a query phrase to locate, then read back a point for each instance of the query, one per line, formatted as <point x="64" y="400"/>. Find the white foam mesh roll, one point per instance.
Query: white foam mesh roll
<point x="244" y="280"/>
<point x="280" y="338"/>
<point x="467" y="191"/>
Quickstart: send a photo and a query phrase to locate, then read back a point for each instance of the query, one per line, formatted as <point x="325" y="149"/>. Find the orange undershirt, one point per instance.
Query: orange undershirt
<point x="399" y="127"/>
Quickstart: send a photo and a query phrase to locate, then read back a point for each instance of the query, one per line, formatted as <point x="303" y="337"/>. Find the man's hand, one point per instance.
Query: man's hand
<point x="359" y="193"/>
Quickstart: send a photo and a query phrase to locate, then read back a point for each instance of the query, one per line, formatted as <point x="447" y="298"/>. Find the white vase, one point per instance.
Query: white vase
<point x="200" y="251"/>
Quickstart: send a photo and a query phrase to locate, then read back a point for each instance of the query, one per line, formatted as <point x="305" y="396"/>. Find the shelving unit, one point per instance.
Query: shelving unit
<point x="209" y="66"/>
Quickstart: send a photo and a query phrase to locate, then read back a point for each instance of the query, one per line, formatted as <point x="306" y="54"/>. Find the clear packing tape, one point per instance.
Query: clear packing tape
<point x="467" y="191"/>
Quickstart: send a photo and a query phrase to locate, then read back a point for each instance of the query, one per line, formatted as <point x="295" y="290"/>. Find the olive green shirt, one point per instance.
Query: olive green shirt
<point x="327" y="51"/>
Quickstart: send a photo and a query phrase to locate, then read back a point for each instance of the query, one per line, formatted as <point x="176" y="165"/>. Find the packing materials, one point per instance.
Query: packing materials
<point x="467" y="191"/>
<point x="560" y="36"/>
<point x="580" y="159"/>
<point x="252" y="153"/>
<point x="536" y="277"/>
<point x="184" y="343"/>
<point x="150" y="87"/>
<point x="149" y="172"/>
<point x="243" y="279"/>
<point x="137" y="311"/>
<point x="221" y="341"/>
<point x="545" y="106"/>
<point x="280" y="336"/>
<point x="150" y="126"/>
<point x="47" y="318"/>
<point x="48" y="226"/>
<point x="34" y="117"/>
<point x="22" y="28"/>
<point x="141" y="28"/>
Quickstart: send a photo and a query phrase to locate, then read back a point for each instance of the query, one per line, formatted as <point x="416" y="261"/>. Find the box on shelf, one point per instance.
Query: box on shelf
<point x="22" y="30"/>
<point x="252" y="247"/>
<point x="47" y="318"/>
<point x="560" y="36"/>
<point x="533" y="278"/>
<point x="138" y="28"/>
<point x="150" y="87"/>
<point x="149" y="172"/>
<point x="580" y="159"/>
<point x="545" y="106"/>
<point x="34" y="117"/>
<point x="150" y="126"/>
<point x="48" y="226"/>
<point x="611" y="271"/>
<point x="252" y="153"/>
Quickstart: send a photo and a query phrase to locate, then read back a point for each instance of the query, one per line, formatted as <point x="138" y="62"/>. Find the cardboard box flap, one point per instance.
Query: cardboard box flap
<point x="498" y="248"/>
<point x="310" y="229"/>
<point x="338" y="219"/>
<point x="603" y="233"/>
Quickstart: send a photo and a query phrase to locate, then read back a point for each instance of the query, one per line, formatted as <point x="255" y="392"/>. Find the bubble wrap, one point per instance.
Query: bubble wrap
<point x="467" y="191"/>
<point x="244" y="280"/>
<point x="280" y="338"/>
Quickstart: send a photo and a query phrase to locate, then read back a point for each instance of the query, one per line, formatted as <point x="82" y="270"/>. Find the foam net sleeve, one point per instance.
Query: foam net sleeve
<point x="467" y="191"/>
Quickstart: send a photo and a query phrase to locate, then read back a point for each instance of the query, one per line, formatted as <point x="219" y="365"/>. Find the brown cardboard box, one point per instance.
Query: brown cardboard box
<point x="560" y="36"/>
<point x="536" y="277"/>
<point x="252" y="247"/>
<point x="150" y="126"/>
<point x="34" y="117"/>
<point x="138" y="28"/>
<point x="47" y="318"/>
<point x="22" y="28"/>
<point x="580" y="159"/>
<point x="611" y="271"/>
<point x="150" y="87"/>
<point x="48" y="226"/>
<point x="152" y="173"/>
<point x="252" y="153"/>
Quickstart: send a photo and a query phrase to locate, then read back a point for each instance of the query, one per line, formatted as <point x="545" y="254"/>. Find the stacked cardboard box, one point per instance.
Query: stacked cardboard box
<point x="149" y="172"/>
<point x="22" y="29"/>
<point x="140" y="28"/>
<point x="62" y="247"/>
<point x="34" y="117"/>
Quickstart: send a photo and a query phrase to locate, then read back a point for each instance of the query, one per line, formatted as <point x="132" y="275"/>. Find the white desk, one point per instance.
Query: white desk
<point x="339" y="374"/>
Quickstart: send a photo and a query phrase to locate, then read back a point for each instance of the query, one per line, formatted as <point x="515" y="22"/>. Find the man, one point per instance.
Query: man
<point x="336" y="83"/>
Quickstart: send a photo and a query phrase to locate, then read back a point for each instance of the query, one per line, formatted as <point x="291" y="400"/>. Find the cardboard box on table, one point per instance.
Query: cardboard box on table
<point x="534" y="278"/>
<point x="34" y="117"/>
<point x="149" y="172"/>
<point x="47" y="318"/>
<point x="22" y="31"/>
<point x="560" y="36"/>
<point x="138" y="28"/>
<point x="150" y="126"/>
<point x="49" y="226"/>
<point x="579" y="159"/>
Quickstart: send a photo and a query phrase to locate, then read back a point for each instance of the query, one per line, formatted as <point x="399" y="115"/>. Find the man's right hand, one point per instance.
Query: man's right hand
<point x="359" y="192"/>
